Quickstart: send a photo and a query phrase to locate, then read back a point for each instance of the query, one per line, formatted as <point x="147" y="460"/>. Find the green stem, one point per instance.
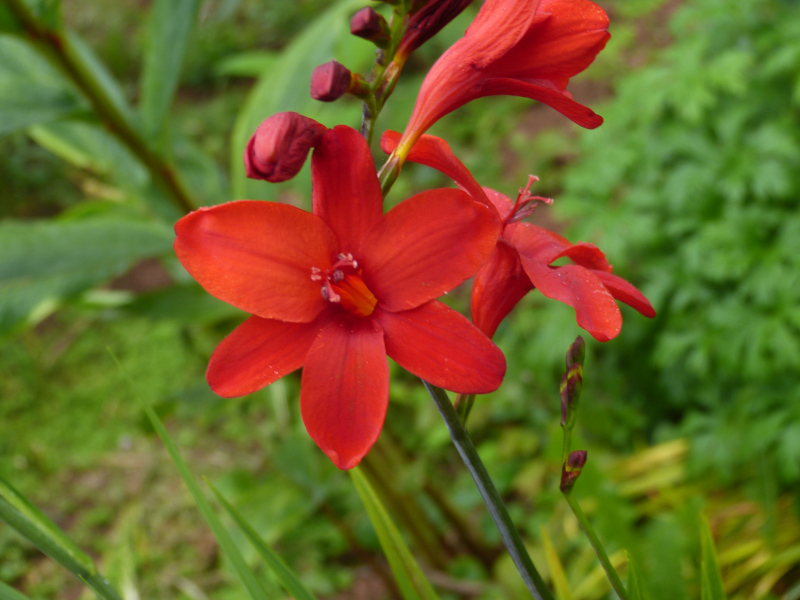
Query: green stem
<point x="566" y="445"/>
<point x="491" y="497"/>
<point x="611" y="573"/>
<point x="60" y="50"/>
<point x="463" y="405"/>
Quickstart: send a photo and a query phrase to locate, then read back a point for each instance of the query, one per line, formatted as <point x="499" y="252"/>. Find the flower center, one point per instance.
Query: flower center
<point x="342" y="284"/>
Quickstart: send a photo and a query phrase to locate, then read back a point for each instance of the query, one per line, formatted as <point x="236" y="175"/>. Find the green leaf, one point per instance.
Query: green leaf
<point x="8" y="22"/>
<point x="7" y="593"/>
<point x="557" y="574"/>
<point x="168" y="36"/>
<point x="43" y="263"/>
<point x="410" y="578"/>
<point x="31" y="91"/>
<point x="288" y="579"/>
<point x="186" y="303"/>
<point x="710" y="576"/>
<point x="635" y="587"/>
<point x="29" y="521"/>
<point x="246" y="64"/>
<point x="47" y="12"/>
<point x="90" y="146"/>
<point x="98" y="74"/>
<point x="249" y="579"/>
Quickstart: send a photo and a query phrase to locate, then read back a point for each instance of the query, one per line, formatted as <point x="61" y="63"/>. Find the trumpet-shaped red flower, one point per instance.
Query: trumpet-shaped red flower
<point x="526" y="48"/>
<point x="338" y="289"/>
<point x="524" y="255"/>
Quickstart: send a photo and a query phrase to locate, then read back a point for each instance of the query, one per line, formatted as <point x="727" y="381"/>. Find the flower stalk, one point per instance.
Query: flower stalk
<point x="573" y="462"/>
<point x="491" y="497"/>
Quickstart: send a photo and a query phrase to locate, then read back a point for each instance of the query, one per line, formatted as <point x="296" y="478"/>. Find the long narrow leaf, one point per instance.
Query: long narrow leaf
<point x="636" y="590"/>
<point x="710" y="576"/>
<point x="557" y="575"/>
<point x="168" y="35"/>
<point x="249" y="579"/>
<point x="285" y="575"/>
<point x="410" y="578"/>
<point x="7" y="593"/>
<point x="29" y="521"/>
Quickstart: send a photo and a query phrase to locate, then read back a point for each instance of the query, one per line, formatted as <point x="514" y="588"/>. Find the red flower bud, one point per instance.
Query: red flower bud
<point x="368" y="24"/>
<point x="280" y="145"/>
<point x="330" y="81"/>
<point x="571" y="470"/>
<point x="429" y="20"/>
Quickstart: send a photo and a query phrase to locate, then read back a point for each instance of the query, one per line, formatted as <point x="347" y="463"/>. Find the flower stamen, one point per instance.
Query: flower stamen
<point x="342" y="284"/>
<point x="526" y="202"/>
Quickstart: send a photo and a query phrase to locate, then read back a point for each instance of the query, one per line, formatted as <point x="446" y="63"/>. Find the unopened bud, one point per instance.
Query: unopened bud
<point x="576" y="352"/>
<point x="429" y="20"/>
<point x="368" y="24"/>
<point x="571" y="384"/>
<point x="330" y="81"/>
<point x="280" y="146"/>
<point x="571" y="470"/>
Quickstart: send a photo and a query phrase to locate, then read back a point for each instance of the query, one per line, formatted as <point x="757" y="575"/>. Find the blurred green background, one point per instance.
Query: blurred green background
<point x="691" y="188"/>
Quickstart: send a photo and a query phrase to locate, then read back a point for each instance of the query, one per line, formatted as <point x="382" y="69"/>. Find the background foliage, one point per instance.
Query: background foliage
<point x="690" y="187"/>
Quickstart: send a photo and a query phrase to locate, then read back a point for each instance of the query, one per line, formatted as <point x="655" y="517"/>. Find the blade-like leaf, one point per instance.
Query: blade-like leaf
<point x="410" y="578"/>
<point x="186" y="303"/>
<point x="92" y="147"/>
<point x="47" y="12"/>
<point x="710" y="576"/>
<point x="285" y="575"/>
<point x="557" y="574"/>
<point x="7" y="593"/>
<point x="8" y="21"/>
<point x="635" y="587"/>
<point x="249" y="579"/>
<point x="99" y="75"/>
<point x="168" y="36"/>
<point x="31" y="90"/>
<point x="43" y="263"/>
<point x="29" y="521"/>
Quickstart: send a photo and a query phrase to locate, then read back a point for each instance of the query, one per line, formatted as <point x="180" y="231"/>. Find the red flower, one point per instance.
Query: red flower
<point x="338" y="289"/>
<point x="523" y="257"/>
<point x="526" y="48"/>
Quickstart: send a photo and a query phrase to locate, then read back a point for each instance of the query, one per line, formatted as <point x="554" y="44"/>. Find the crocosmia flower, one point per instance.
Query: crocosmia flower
<point x="526" y="48"/>
<point x="337" y="290"/>
<point x="524" y="255"/>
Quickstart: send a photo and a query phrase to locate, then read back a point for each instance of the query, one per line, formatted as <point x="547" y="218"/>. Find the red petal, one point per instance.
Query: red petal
<point x="258" y="256"/>
<point x="586" y="255"/>
<point x="452" y="79"/>
<point x="498" y="286"/>
<point x="595" y="309"/>
<point x="426" y="246"/>
<point x="259" y="352"/>
<point x="537" y="241"/>
<point x="540" y="90"/>
<point x="346" y="193"/>
<point x="434" y="152"/>
<point x="498" y="27"/>
<point x="563" y="39"/>
<point x="441" y="346"/>
<point x="627" y="293"/>
<point x="345" y="389"/>
<point x="501" y="202"/>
